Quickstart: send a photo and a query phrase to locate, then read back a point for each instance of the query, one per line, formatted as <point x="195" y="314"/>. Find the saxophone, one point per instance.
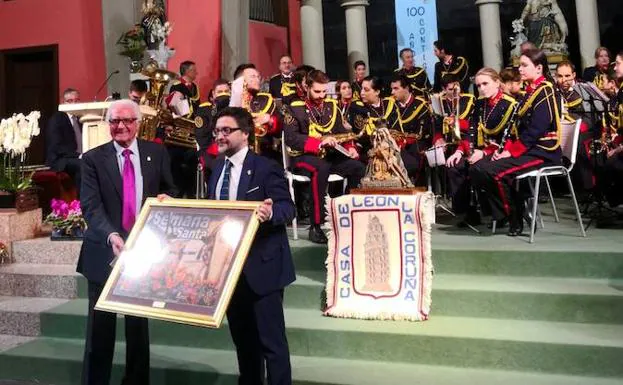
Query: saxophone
<point x="259" y="129"/>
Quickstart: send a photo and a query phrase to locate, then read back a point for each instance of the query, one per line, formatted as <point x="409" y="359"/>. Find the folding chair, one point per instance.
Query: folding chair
<point x="569" y="147"/>
<point x="292" y="177"/>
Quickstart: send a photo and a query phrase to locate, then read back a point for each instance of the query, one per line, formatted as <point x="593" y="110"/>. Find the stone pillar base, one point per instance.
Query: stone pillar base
<point x="16" y="226"/>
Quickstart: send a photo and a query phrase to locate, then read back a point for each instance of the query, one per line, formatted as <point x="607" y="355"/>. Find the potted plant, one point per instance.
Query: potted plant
<point x="16" y="189"/>
<point x="66" y="220"/>
<point x="133" y="46"/>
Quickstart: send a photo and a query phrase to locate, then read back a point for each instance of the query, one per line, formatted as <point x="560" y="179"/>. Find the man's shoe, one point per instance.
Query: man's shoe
<point x="316" y="235"/>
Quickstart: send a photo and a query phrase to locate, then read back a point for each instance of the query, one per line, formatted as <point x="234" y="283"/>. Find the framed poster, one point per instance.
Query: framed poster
<point x="182" y="261"/>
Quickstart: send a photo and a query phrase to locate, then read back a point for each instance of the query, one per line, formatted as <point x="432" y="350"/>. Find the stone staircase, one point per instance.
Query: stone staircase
<point x="549" y="313"/>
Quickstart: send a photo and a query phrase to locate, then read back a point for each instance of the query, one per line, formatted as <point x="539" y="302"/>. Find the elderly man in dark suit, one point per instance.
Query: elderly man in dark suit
<point x="255" y="314"/>
<point x="117" y="177"/>
<point x="63" y="138"/>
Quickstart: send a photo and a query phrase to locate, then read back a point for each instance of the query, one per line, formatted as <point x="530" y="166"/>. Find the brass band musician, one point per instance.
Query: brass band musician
<point x="418" y="79"/>
<point x="311" y="128"/>
<point x="458" y="108"/>
<point x="360" y="72"/>
<point x="449" y="64"/>
<point x="492" y="114"/>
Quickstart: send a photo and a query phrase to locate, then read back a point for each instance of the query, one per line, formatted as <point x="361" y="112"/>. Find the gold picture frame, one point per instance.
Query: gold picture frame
<point x="182" y="261"/>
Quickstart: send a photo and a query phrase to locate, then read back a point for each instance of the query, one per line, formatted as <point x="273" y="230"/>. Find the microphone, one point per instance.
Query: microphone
<point x="105" y="83"/>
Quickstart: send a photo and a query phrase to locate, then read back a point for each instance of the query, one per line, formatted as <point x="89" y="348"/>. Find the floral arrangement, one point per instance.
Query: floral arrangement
<point x="66" y="218"/>
<point x="159" y="31"/>
<point x="16" y="134"/>
<point x="132" y="43"/>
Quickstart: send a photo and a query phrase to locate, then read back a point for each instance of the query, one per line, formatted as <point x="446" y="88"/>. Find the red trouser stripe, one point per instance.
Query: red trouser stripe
<point x="314" y="183"/>
<point x="498" y="181"/>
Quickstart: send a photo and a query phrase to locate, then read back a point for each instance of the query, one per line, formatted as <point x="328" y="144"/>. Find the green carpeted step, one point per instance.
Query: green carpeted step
<point x="524" y="298"/>
<point x="551" y="347"/>
<point x="58" y="361"/>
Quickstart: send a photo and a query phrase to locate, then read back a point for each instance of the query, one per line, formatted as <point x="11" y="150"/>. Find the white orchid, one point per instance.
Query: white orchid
<point x="17" y="131"/>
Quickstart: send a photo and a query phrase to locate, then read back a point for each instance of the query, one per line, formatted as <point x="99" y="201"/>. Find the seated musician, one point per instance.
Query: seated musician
<point x="138" y="89"/>
<point x="415" y="121"/>
<point x="511" y="83"/>
<point x="450" y="64"/>
<point x="612" y="178"/>
<point x="458" y="108"/>
<point x="491" y="116"/>
<point x="597" y="74"/>
<point x="353" y="111"/>
<point x="312" y="127"/>
<point x="572" y="110"/>
<point x="265" y="115"/>
<point x="219" y="99"/>
<point x="418" y="79"/>
<point x="360" y="72"/>
<point x="378" y="107"/>
<point x="187" y="86"/>
<point x="536" y="143"/>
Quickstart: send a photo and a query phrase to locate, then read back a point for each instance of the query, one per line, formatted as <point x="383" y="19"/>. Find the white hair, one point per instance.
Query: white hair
<point x="124" y="103"/>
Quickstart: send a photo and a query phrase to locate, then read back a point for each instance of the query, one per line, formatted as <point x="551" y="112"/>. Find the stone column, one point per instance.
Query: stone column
<point x="491" y="33"/>
<point x="235" y="35"/>
<point x="356" y="32"/>
<point x="117" y="16"/>
<point x="312" y="32"/>
<point x="588" y="28"/>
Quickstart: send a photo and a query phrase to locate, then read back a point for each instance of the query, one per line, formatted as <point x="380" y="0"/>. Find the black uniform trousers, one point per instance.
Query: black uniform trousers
<point x="414" y="161"/>
<point x="184" y="169"/>
<point x="257" y="326"/>
<point x="459" y="186"/>
<point x="319" y="170"/>
<point x="100" y="345"/>
<point x="611" y="180"/>
<point x="497" y="179"/>
<point x="583" y="172"/>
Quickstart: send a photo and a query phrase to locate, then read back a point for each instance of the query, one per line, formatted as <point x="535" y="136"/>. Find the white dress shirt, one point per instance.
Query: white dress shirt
<point x="138" y="175"/>
<point x="237" y="160"/>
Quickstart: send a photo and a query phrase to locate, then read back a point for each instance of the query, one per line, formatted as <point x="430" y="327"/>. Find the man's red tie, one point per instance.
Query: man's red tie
<point x="129" y="192"/>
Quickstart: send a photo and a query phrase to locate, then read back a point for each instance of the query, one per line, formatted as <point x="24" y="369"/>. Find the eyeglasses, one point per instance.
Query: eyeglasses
<point x="126" y="121"/>
<point x="224" y="130"/>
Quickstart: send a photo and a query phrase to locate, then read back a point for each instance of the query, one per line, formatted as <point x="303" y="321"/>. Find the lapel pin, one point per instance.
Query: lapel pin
<point x="149" y="158"/>
<point x="248" y="172"/>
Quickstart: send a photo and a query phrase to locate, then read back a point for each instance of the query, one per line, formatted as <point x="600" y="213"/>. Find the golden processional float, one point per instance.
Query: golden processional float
<point x="156" y="114"/>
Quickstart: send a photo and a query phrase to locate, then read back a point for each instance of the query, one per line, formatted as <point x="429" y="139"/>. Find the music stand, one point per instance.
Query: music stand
<point x="595" y="104"/>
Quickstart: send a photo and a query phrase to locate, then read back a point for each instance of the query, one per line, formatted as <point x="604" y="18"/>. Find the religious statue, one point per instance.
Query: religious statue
<point x="546" y="26"/>
<point x="156" y="29"/>
<point x="385" y="167"/>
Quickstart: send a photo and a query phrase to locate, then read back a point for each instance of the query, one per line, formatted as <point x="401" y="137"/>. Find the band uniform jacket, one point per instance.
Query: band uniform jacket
<point x="538" y="123"/>
<point x="282" y="87"/>
<point x="356" y="88"/>
<point x="190" y="91"/>
<point x="572" y="102"/>
<point x="415" y="118"/>
<point x="206" y="111"/>
<point x="355" y="113"/>
<point x="387" y="110"/>
<point x="60" y="141"/>
<point x="101" y="200"/>
<point x="418" y="80"/>
<point x="488" y="122"/>
<point x="269" y="265"/>
<point x="304" y="125"/>
<point x="458" y="66"/>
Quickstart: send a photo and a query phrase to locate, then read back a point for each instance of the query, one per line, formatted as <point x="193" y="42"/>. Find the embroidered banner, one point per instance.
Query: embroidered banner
<point x="379" y="264"/>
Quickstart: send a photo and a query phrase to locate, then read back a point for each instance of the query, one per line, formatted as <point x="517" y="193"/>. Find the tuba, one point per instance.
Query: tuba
<point x="155" y="115"/>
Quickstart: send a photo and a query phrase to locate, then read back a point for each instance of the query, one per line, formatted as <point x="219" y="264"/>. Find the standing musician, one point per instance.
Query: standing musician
<point x="310" y="128"/>
<point x="449" y="64"/>
<point x="536" y="143"/>
<point x="598" y="73"/>
<point x="208" y="150"/>
<point x="360" y="73"/>
<point x="187" y="86"/>
<point x="418" y="79"/>
<point x="415" y="120"/>
<point x="572" y="110"/>
<point x="613" y="171"/>
<point x="458" y="108"/>
<point x="492" y="114"/>
<point x="262" y="107"/>
<point x="282" y="85"/>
